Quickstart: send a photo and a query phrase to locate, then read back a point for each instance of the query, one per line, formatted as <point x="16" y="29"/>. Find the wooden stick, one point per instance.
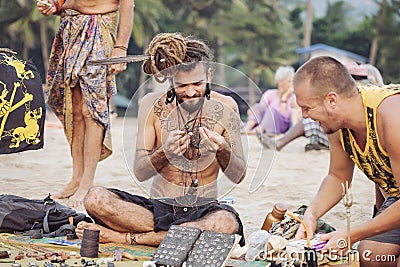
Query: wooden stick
<point x="135" y="258"/>
<point x="16" y="246"/>
<point x="42" y="249"/>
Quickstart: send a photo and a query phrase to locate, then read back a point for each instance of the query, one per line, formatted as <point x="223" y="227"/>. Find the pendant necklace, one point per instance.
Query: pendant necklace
<point x="194" y="130"/>
<point x="191" y="126"/>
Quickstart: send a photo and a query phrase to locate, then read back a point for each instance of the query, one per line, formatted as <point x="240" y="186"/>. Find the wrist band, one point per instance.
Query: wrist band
<point x="121" y="47"/>
<point x="133" y="239"/>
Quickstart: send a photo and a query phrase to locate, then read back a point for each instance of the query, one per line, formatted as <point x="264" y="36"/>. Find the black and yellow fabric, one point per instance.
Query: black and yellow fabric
<point x="22" y="107"/>
<point x="373" y="161"/>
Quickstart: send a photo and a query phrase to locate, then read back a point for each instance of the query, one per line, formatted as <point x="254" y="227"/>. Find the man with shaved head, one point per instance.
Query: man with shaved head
<point x="363" y="131"/>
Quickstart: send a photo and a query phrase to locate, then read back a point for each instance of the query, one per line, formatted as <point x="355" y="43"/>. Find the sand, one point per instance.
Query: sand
<point x="291" y="176"/>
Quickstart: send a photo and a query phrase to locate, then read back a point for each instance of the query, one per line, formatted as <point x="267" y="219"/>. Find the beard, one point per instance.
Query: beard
<point x="192" y="104"/>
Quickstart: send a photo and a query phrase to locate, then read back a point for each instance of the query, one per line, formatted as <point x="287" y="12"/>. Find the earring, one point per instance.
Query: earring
<point x="208" y="91"/>
<point x="170" y="96"/>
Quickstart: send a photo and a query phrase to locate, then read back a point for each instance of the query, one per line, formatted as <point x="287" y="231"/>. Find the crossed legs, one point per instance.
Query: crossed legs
<point x="123" y="218"/>
<point x="87" y="139"/>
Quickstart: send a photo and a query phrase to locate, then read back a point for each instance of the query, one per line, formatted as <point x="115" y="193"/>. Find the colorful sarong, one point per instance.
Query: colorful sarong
<point x="81" y="38"/>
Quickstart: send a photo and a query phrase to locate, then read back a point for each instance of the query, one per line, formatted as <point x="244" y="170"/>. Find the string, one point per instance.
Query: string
<point x="304" y="225"/>
<point x="186" y="124"/>
<point x="194" y="142"/>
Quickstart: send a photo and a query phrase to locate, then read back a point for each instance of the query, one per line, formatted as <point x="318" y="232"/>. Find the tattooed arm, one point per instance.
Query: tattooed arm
<point x="149" y="160"/>
<point x="230" y="156"/>
<point x="228" y="146"/>
<point x="151" y="156"/>
<point x="146" y="140"/>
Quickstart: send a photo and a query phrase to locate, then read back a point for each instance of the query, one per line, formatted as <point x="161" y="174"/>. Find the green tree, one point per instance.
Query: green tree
<point x="258" y="37"/>
<point x="331" y="28"/>
<point x="147" y="17"/>
<point x="11" y="11"/>
<point x="15" y="24"/>
<point x="22" y="24"/>
<point x="388" y="59"/>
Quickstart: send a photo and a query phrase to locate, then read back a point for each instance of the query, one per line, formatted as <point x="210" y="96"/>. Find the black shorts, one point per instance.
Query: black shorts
<point x="168" y="212"/>
<point x="393" y="236"/>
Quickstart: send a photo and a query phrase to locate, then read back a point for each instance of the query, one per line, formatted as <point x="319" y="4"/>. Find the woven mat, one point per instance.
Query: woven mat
<point x="137" y="254"/>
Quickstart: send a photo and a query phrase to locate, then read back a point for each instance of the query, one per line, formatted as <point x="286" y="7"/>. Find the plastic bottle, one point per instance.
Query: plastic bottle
<point x="276" y="215"/>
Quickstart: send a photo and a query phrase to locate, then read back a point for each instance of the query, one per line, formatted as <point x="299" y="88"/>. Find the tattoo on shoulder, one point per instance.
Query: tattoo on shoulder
<point x="163" y="114"/>
<point x="216" y="111"/>
<point x="157" y="107"/>
<point x="233" y="122"/>
<point x="213" y="115"/>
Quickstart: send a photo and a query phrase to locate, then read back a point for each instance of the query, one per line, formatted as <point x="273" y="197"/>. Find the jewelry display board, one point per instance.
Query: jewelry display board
<point x="196" y="248"/>
<point x="176" y="245"/>
<point x="211" y="249"/>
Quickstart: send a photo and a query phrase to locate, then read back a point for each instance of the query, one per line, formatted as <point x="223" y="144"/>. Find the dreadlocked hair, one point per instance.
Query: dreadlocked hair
<point x="171" y="52"/>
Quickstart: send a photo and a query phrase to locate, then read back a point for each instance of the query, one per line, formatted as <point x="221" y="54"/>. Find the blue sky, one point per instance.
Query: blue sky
<point x="360" y="7"/>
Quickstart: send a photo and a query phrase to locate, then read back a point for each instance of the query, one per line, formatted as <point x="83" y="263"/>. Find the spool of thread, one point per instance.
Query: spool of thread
<point x="90" y="243"/>
<point x="311" y="257"/>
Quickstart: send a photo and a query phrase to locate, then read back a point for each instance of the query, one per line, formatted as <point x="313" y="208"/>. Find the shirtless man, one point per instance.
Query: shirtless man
<point x="79" y="94"/>
<point x="184" y="137"/>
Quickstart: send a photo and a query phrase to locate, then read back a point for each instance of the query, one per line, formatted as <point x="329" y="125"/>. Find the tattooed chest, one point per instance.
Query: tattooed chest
<point x="169" y="120"/>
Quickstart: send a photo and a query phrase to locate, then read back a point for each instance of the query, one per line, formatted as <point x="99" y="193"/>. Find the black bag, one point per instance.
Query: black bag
<point x="37" y="217"/>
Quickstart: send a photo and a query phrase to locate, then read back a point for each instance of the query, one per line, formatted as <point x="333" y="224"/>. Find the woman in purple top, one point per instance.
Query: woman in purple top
<point x="273" y="114"/>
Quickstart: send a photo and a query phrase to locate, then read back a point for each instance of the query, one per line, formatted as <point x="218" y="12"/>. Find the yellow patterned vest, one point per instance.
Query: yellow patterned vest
<point x="373" y="161"/>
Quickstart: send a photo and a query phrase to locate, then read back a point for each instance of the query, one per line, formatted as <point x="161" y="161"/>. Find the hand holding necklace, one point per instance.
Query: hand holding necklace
<point x="176" y="143"/>
<point x="211" y="140"/>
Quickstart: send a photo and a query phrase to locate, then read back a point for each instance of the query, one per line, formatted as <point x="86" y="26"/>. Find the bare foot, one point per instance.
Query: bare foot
<point x="67" y="191"/>
<point x="76" y="199"/>
<point x="106" y="235"/>
<point x="267" y="141"/>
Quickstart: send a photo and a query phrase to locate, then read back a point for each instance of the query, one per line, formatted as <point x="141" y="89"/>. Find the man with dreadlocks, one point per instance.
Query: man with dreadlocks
<point x="185" y="136"/>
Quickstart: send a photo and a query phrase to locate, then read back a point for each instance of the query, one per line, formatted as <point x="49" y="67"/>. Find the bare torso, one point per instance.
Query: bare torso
<point x="92" y="6"/>
<point x="176" y="178"/>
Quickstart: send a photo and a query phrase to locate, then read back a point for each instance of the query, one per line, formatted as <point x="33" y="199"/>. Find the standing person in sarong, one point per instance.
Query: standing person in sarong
<point x="79" y="94"/>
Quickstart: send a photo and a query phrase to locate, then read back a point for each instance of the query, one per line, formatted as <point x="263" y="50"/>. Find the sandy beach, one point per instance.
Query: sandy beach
<point x="291" y="176"/>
